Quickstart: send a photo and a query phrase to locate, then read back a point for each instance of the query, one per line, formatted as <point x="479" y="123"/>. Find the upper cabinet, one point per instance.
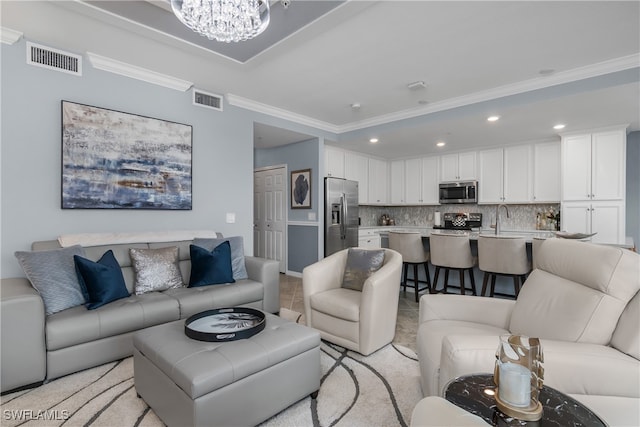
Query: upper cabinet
<point x="546" y="172"/>
<point x="414" y="181"/>
<point x="356" y="168"/>
<point x="593" y="166"/>
<point x="378" y="181"/>
<point x="334" y="162"/>
<point x="458" y="166"/>
<point x="397" y="187"/>
<point x="505" y="175"/>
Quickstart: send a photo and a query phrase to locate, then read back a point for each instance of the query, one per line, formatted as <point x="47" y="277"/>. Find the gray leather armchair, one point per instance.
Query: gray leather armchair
<point x="360" y="321"/>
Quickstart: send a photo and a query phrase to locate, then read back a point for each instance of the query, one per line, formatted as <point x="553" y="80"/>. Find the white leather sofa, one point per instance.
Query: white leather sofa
<point x="582" y="301"/>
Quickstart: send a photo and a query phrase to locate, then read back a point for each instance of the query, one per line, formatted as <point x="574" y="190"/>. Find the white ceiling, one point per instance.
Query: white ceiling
<point x="476" y="58"/>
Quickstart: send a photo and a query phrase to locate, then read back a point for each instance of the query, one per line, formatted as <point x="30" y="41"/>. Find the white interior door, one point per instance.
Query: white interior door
<point x="269" y="207"/>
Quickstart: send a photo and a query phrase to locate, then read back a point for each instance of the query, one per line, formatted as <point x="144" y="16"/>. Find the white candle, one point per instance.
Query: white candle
<point x="515" y="384"/>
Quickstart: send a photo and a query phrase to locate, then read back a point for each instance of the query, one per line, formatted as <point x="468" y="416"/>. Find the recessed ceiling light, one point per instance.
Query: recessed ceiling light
<point x="373" y="140"/>
<point x="355" y="106"/>
<point x="559" y="126"/>
<point x="493" y="118"/>
<point x="441" y="144"/>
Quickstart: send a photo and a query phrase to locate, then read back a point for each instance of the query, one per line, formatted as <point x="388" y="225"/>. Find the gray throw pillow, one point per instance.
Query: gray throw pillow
<point x="156" y="269"/>
<point x="237" y="253"/>
<point x="53" y="274"/>
<point x="361" y="263"/>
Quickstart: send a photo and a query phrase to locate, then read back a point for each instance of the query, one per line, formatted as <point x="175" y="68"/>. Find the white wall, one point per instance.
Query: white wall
<point x="31" y="156"/>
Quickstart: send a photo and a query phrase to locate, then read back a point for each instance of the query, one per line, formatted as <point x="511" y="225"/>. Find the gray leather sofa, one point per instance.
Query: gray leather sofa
<point x="36" y="347"/>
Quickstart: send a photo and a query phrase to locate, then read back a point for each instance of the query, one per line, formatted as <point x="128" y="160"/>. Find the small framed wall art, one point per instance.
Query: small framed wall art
<point x="116" y="160"/>
<point x="301" y="189"/>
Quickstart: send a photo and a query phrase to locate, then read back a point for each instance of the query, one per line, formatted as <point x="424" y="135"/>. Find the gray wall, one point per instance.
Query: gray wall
<point x="31" y="156"/>
<point x="302" y="239"/>
<point x="633" y="187"/>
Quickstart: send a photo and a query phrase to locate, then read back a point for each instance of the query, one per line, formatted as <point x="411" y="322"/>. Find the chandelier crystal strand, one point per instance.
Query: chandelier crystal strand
<point x="224" y="20"/>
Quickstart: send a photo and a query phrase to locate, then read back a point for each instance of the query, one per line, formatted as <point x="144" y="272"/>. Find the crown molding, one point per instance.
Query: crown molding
<point x="249" y="104"/>
<point x="9" y="36"/>
<point x="594" y="70"/>
<point x="122" y="68"/>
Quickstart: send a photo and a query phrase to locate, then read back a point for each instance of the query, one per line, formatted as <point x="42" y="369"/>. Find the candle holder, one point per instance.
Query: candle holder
<point x="518" y="375"/>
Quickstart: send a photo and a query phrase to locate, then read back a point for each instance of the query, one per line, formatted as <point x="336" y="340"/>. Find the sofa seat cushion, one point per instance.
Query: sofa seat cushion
<point x="341" y="303"/>
<point x="196" y="300"/>
<point x="430" y="347"/>
<point x="78" y="325"/>
<point x="583" y="368"/>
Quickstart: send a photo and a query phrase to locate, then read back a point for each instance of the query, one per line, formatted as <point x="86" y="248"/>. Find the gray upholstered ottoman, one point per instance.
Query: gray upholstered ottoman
<point x="238" y="383"/>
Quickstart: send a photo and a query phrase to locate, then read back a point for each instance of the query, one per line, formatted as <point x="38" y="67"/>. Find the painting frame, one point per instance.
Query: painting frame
<point x="301" y="186"/>
<point x="117" y="160"/>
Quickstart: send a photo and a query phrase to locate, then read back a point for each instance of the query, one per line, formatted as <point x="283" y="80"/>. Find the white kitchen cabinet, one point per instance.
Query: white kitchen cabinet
<point x="334" y="162"/>
<point x="356" y="168"/>
<point x="546" y="172"/>
<point x="413" y="181"/>
<point x="593" y="166"/>
<point x="605" y="218"/>
<point x="490" y="176"/>
<point x="458" y="166"/>
<point x="396" y="184"/>
<point x="378" y="181"/>
<point x="517" y="174"/>
<point x="505" y="175"/>
<point x="429" y="179"/>
<point x="369" y="239"/>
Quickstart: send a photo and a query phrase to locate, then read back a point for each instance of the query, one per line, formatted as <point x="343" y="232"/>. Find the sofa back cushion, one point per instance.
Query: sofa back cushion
<point x="626" y="337"/>
<point x="121" y="253"/>
<point x="577" y="293"/>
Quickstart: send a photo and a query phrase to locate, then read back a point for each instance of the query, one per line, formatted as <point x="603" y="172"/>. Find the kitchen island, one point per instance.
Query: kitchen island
<point x="378" y="235"/>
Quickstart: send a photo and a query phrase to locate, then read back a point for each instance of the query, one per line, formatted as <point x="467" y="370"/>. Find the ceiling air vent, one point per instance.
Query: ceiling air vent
<point x="54" y="59"/>
<point x="208" y="100"/>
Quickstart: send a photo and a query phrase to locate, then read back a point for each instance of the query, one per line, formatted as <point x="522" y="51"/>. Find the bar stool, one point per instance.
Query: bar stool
<point x="452" y="252"/>
<point x="503" y="256"/>
<point x="410" y="246"/>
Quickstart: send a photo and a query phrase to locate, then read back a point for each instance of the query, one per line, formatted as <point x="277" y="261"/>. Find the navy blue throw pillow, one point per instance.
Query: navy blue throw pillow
<point x="101" y="282"/>
<point x="211" y="267"/>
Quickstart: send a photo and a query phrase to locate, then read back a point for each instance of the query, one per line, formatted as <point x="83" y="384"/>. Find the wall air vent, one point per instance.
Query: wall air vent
<point x="208" y="100"/>
<point x="54" y="59"/>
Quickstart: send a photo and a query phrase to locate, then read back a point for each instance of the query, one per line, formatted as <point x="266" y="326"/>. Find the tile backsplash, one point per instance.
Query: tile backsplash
<point x="521" y="217"/>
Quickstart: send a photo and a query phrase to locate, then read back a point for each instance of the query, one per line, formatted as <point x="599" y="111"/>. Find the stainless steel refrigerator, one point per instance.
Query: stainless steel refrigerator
<point x="341" y="217"/>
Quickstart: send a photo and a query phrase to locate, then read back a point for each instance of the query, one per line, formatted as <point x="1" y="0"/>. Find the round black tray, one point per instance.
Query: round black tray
<point x="225" y="324"/>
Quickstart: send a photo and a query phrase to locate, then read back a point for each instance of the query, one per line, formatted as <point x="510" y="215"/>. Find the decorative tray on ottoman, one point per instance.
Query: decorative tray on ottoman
<point x="225" y="324"/>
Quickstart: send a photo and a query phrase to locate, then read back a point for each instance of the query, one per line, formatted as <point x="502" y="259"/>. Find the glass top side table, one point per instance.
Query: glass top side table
<point x="475" y="394"/>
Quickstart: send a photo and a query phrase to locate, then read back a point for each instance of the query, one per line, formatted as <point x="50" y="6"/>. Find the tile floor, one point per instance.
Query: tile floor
<point x="406" y="326"/>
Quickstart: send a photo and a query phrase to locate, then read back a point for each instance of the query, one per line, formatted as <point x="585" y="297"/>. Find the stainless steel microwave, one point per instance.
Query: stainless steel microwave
<point x="459" y="192"/>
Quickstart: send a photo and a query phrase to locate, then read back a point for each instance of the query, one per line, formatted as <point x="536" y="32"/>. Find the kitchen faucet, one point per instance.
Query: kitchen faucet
<point x="498" y="217"/>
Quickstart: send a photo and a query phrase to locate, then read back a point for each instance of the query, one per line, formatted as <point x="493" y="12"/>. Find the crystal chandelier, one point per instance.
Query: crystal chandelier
<point x="224" y="20"/>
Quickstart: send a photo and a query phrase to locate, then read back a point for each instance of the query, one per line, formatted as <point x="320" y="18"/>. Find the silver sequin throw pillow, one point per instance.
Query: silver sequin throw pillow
<point x="156" y="269"/>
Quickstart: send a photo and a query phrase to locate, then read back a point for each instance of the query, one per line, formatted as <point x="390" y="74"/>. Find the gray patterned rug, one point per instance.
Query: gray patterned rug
<point x="378" y="390"/>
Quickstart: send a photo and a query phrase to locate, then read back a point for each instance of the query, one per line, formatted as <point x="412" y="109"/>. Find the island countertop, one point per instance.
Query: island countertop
<point x="528" y="235"/>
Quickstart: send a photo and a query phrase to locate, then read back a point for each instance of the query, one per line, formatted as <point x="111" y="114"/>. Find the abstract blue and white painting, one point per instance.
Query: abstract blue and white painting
<point x="116" y="160"/>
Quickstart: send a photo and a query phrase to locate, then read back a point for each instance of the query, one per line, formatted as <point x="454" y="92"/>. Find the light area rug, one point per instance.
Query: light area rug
<point x="378" y="390"/>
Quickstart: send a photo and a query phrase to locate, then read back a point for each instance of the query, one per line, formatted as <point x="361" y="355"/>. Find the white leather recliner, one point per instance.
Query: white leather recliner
<point x="582" y="301"/>
<point x="359" y="321"/>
